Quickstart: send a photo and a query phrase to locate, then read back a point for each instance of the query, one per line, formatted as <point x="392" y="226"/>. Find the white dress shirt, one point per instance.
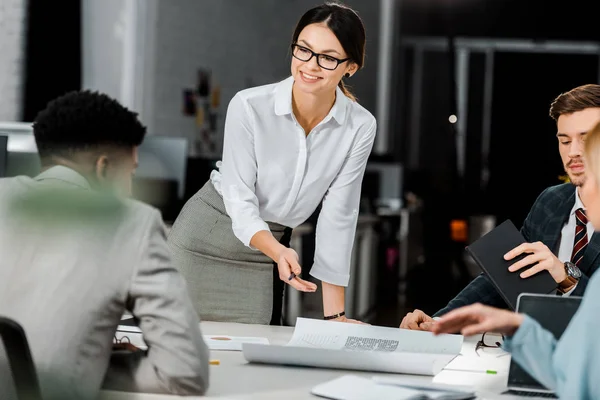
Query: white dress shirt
<point x="272" y="171"/>
<point x="567" y="234"/>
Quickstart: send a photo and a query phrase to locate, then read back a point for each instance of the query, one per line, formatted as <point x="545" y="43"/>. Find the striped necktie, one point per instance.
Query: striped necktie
<point x="581" y="239"/>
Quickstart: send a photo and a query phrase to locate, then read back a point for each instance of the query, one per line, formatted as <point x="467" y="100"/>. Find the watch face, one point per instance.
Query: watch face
<point x="573" y="270"/>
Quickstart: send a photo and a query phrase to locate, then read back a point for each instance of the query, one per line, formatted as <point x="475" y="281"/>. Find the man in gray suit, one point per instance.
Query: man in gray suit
<point x="75" y="255"/>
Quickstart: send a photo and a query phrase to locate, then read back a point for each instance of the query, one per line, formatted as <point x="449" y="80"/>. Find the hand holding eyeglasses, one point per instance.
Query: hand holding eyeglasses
<point x="478" y="318"/>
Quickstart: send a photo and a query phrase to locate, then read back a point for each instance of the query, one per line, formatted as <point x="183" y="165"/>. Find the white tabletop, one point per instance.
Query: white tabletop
<point x="236" y="379"/>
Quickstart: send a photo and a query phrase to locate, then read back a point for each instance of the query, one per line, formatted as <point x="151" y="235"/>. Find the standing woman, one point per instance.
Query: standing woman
<point x="288" y="147"/>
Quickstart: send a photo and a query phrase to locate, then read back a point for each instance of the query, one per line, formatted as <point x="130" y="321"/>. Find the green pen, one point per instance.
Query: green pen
<point x="486" y="371"/>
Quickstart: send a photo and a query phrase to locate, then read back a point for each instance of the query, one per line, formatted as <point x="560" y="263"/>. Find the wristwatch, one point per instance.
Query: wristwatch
<point x="573" y="276"/>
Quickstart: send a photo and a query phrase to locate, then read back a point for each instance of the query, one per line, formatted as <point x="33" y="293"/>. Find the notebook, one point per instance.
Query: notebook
<point x="488" y="252"/>
<point x="354" y="387"/>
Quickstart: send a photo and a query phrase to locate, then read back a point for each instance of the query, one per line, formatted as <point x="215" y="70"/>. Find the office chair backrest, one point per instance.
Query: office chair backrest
<point x="3" y="154"/>
<point x="20" y="360"/>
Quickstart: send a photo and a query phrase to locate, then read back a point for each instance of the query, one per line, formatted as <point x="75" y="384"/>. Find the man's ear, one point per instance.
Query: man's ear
<point x="102" y="168"/>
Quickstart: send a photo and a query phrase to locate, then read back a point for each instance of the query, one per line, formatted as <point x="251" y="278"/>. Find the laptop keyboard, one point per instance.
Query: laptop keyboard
<point x="530" y="394"/>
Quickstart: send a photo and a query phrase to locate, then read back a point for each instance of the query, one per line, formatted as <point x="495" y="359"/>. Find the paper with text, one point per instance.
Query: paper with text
<point x="356" y="337"/>
<point x="325" y="344"/>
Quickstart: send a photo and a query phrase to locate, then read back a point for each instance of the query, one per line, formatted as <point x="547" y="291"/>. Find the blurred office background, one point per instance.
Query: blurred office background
<point x="461" y="90"/>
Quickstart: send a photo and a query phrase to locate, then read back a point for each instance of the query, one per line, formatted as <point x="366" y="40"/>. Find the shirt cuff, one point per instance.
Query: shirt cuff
<point x="520" y="336"/>
<point x="566" y="294"/>
<point x="330" y="277"/>
<point x="246" y="233"/>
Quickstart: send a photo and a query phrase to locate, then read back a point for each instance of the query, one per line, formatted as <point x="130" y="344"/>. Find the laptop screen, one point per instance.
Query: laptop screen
<point x="554" y="314"/>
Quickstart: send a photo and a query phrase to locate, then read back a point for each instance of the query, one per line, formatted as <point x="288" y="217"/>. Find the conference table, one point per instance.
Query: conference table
<point x="236" y="379"/>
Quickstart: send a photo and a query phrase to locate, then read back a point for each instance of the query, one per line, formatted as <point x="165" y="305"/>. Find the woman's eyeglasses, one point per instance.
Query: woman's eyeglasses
<point x="325" y="61"/>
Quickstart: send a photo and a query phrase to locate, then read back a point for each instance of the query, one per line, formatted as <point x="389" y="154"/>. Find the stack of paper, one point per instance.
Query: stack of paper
<point x="351" y="387"/>
<point x="327" y="344"/>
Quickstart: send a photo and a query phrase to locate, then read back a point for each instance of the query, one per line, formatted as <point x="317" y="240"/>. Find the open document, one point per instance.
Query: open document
<point x="339" y="345"/>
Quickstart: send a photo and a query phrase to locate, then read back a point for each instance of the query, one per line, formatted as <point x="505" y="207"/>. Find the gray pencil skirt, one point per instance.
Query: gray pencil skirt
<point x="227" y="281"/>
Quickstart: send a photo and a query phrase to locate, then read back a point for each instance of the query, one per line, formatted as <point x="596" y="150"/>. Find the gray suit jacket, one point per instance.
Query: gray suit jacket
<point x="72" y="261"/>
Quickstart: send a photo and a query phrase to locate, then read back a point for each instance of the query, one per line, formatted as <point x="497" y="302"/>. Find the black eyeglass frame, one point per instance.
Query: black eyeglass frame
<point x="318" y="55"/>
<point x="481" y="343"/>
<point x="116" y="340"/>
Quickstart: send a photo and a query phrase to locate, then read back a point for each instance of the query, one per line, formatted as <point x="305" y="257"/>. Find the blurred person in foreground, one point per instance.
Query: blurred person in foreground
<point x="571" y="365"/>
<point x="76" y="255"/>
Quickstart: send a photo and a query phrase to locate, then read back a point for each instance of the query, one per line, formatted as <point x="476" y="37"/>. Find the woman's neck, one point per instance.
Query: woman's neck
<point x="310" y="109"/>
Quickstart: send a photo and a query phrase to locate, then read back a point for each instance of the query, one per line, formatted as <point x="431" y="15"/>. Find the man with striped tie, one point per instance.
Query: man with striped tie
<point x="559" y="236"/>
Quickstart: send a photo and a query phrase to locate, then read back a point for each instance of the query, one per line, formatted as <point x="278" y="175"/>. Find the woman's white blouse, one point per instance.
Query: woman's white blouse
<point x="272" y="171"/>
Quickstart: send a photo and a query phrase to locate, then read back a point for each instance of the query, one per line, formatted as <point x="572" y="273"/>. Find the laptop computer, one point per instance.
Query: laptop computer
<point x="554" y="314"/>
<point x="488" y="252"/>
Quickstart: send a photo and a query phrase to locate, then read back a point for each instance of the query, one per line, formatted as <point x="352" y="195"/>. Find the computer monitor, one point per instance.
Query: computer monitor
<point x="161" y="173"/>
<point x="553" y="313"/>
<point x="160" y="177"/>
<point x="3" y="155"/>
<point x="22" y="155"/>
<point x="162" y="157"/>
<point x="389" y="187"/>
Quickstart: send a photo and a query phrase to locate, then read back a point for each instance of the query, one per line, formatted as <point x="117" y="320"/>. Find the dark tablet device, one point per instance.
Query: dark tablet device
<point x="488" y="252"/>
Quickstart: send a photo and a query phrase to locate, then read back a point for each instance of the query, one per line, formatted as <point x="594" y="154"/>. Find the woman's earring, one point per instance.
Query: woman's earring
<point x="347" y="75"/>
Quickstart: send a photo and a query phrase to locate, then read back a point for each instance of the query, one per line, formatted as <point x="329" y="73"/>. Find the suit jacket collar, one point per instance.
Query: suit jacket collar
<point x="592" y="250"/>
<point x="559" y="218"/>
<point x="555" y="225"/>
<point x="65" y="176"/>
<point x="590" y="257"/>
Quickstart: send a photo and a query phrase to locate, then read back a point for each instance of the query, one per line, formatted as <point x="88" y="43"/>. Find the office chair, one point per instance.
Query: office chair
<point x="20" y="360"/>
<point x="3" y="154"/>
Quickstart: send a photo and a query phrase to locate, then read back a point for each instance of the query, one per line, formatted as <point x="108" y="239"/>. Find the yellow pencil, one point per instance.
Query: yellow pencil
<point x="214" y="362"/>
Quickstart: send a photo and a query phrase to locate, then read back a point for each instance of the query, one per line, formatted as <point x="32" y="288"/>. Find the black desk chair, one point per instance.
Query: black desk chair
<point x="20" y="360"/>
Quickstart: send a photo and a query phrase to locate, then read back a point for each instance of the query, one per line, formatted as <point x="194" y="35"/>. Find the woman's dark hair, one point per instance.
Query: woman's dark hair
<point x="345" y="24"/>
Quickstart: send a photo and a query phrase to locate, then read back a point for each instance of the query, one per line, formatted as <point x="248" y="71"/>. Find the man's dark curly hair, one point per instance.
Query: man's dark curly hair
<point x="85" y="120"/>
